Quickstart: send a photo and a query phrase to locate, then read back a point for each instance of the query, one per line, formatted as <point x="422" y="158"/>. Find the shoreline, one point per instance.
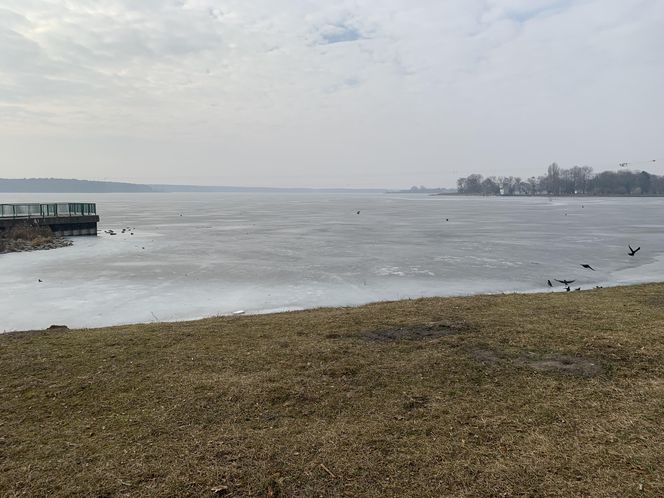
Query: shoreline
<point x="644" y="274"/>
<point x="292" y="310"/>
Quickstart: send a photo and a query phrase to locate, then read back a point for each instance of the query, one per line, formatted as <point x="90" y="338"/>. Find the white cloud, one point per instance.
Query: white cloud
<point x="307" y="92"/>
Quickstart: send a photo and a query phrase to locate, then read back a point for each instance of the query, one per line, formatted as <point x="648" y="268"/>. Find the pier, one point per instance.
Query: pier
<point x="66" y="219"/>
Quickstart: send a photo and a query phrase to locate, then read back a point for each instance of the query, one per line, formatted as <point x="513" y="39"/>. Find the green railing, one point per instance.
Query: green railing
<point x="48" y="210"/>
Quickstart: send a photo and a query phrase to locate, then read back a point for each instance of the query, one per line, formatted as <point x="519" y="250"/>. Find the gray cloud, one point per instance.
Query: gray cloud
<point x="351" y="92"/>
<point x="339" y="33"/>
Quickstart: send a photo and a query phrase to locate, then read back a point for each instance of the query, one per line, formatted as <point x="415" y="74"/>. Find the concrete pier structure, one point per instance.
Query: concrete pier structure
<point x="66" y="219"/>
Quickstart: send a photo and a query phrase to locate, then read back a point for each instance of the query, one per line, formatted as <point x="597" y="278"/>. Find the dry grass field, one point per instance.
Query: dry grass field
<point x="558" y="394"/>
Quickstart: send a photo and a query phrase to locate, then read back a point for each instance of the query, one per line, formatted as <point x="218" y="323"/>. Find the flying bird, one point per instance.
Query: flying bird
<point x="588" y="267"/>
<point x="358" y="212"/>
<point x="566" y="282"/>
<point x="567" y="288"/>
<point x="549" y="283"/>
<point x="632" y="252"/>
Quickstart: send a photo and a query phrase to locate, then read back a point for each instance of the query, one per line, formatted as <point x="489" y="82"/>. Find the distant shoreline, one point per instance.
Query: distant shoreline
<point x="547" y="195"/>
<point x="73" y="186"/>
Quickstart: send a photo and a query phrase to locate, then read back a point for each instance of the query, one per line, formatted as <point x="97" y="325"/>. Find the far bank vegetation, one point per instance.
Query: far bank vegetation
<point x="579" y="180"/>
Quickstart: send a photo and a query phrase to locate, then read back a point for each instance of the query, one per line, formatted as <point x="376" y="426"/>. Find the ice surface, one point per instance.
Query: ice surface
<point x="270" y="252"/>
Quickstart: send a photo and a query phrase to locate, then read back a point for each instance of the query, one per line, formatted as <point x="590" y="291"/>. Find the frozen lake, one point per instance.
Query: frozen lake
<point x="198" y="255"/>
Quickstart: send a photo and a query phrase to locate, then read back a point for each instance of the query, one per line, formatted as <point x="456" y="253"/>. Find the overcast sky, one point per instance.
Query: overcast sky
<point x="385" y="93"/>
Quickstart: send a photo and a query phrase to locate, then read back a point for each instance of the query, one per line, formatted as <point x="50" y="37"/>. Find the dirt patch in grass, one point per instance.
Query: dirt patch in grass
<point x="572" y="365"/>
<point x="553" y="363"/>
<point x="485" y="356"/>
<point x="415" y="402"/>
<point x="414" y="333"/>
<point x="656" y="301"/>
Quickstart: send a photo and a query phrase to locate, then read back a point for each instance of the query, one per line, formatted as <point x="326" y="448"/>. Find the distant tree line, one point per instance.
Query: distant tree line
<point x="425" y="190"/>
<point x="559" y="181"/>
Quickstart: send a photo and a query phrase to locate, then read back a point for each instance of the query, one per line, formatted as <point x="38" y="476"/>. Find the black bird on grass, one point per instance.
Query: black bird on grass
<point x="588" y="267"/>
<point x="632" y="252"/>
<point x="578" y="289"/>
<point x="566" y="282"/>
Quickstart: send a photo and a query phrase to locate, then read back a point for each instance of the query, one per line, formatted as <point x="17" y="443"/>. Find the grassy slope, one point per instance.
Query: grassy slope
<point x="267" y="405"/>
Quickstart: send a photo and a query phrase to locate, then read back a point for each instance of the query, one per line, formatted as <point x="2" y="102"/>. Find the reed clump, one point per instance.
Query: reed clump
<point x="30" y="237"/>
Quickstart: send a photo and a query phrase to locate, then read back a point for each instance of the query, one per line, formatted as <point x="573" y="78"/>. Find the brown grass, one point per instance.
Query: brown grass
<point x="28" y="237"/>
<point x="27" y="231"/>
<point x="519" y="395"/>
